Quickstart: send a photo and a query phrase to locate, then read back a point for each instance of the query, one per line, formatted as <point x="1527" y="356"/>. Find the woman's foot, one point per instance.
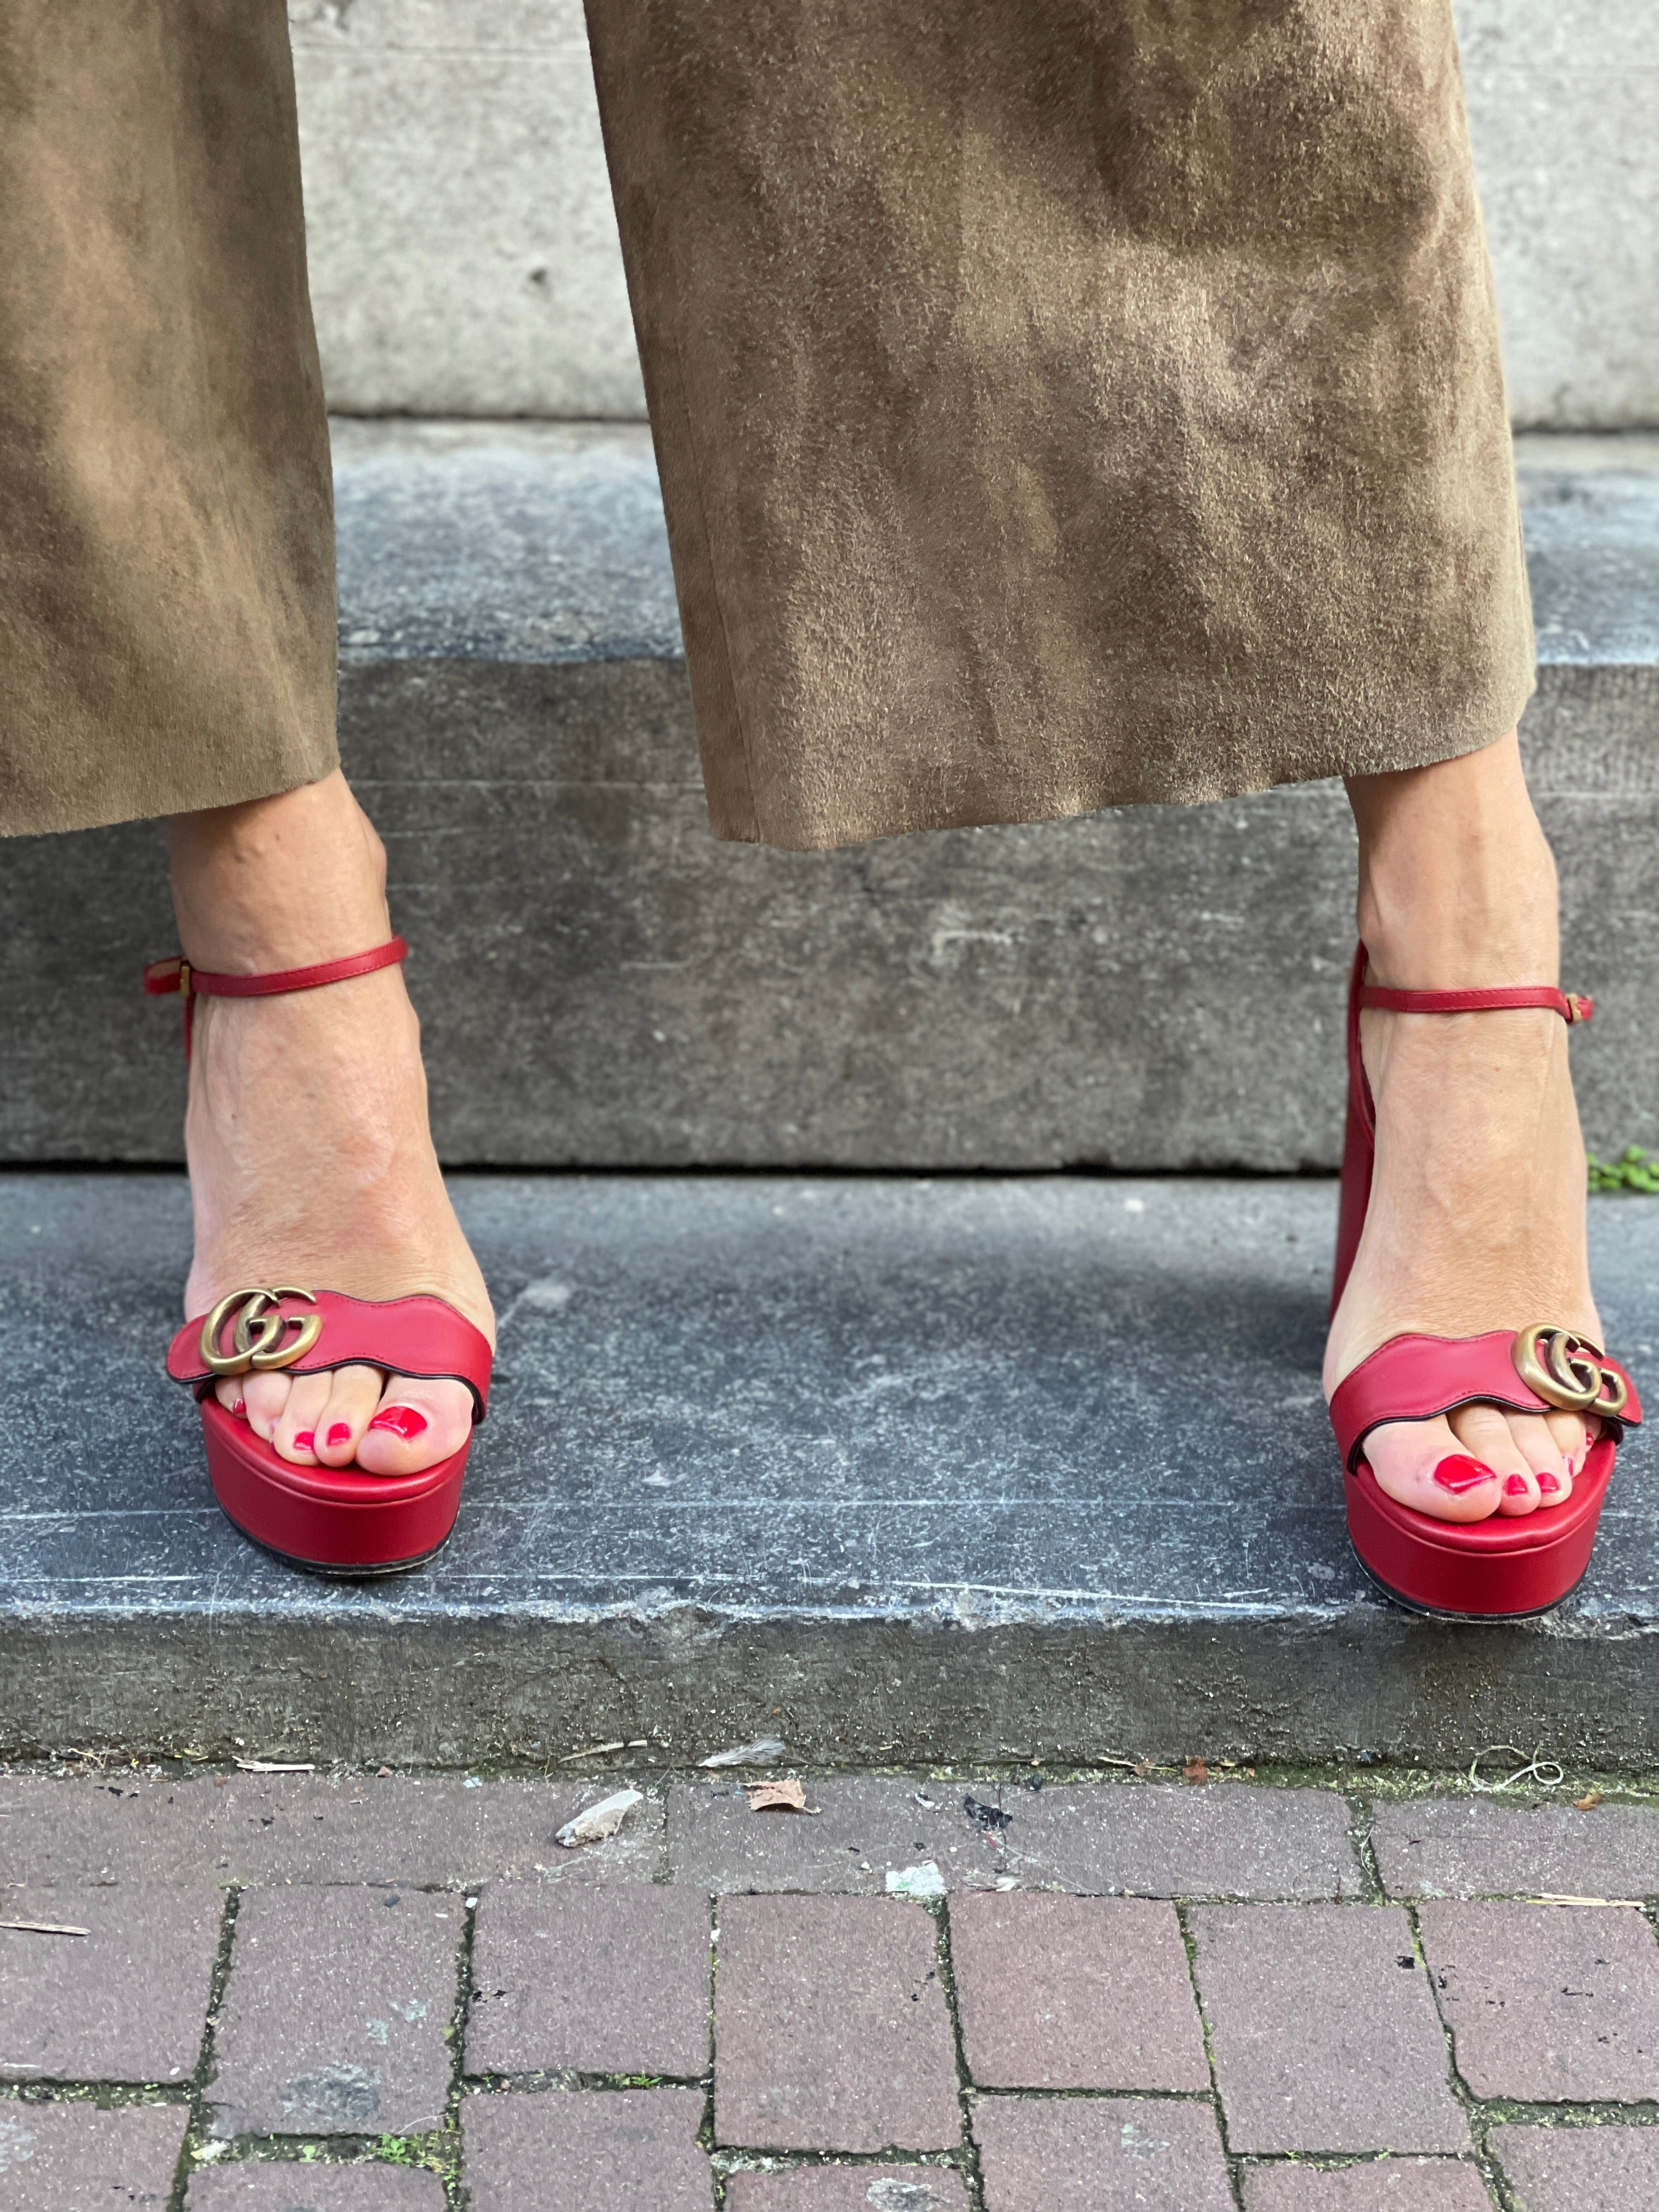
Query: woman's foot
<point x="1477" y="1212"/>
<point x="310" y="1160"/>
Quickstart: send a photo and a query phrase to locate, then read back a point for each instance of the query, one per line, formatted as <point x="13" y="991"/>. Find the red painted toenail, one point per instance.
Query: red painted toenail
<point x="1458" y="1475"/>
<point x="1515" y="1486"/>
<point x="305" y="1441"/>
<point x="240" y="1409"/>
<point x="340" y="1433"/>
<point x="403" y="1421"/>
<point x="1548" y="1483"/>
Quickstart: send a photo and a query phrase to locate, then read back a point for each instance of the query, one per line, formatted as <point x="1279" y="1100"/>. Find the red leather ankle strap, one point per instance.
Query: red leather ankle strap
<point x="1571" y="1008"/>
<point x="165" y="978"/>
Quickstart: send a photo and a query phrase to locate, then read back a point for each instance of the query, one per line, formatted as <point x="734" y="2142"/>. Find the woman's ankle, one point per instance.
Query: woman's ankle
<point x="1457" y="884"/>
<point x="279" y="881"/>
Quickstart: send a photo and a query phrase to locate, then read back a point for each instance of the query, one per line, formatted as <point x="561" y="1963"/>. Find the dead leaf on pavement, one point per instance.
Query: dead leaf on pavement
<point x="1588" y="1804"/>
<point x="778" y="1797"/>
<point x="1196" y="1771"/>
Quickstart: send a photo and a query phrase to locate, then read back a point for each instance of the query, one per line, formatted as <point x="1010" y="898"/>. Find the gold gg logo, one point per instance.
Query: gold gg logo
<point x="1568" y="1372"/>
<point x="260" y="1339"/>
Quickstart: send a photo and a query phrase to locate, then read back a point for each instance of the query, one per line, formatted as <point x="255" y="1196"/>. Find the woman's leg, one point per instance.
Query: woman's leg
<point x="166" y="557"/>
<point x="1065" y="404"/>
<point x="168" y="645"/>
<point x="1477" y="1212"/>
<point x="310" y="1158"/>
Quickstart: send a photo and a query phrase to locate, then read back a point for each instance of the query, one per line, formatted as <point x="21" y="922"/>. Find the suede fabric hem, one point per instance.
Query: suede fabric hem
<point x="182" y="781"/>
<point x="1353" y="751"/>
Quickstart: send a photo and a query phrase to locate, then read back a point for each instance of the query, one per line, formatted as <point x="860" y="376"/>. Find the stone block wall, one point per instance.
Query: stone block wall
<point x="464" y="259"/>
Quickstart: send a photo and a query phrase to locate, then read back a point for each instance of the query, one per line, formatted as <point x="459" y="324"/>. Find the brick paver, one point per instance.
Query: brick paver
<point x="71" y="2158"/>
<point x="334" y="2018"/>
<point x="535" y="2148"/>
<point x="1324" y="2030"/>
<point x="1100" y="2154"/>
<point x="849" y="2189"/>
<point x="1175" y="1839"/>
<point x="1170" y="1840"/>
<point x="1600" y="2169"/>
<point x="1075" y="1993"/>
<point x="125" y="2002"/>
<point x="600" y="1981"/>
<point x="831" y="2027"/>
<point x="311" y="1828"/>
<point x="1474" y="1847"/>
<point x="1387" y="2185"/>
<point x="314" y="2188"/>
<point x="1091" y="2088"/>
<point x="1547" y="2000"/>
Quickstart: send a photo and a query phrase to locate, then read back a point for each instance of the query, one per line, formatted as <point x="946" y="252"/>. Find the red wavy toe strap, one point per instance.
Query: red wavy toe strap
<point x="1414" y="1378"/>
<point x="261" y="1330"/>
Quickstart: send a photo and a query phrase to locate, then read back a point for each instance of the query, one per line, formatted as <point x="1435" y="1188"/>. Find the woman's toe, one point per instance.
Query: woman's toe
<point x="1571" y="1437"/>
<point x="1549" y="1464"/>
<point x="351" y="1406"/>
<point x="264" y="1401"/>
<point x="230" y="1391"/>
<point x="1423" y="1465"/>
<point x="416" y="1425"/>
<point x="1486" y="1434"/>
<point x="295" y="1436"/>
<point x="1574" y="1434"/>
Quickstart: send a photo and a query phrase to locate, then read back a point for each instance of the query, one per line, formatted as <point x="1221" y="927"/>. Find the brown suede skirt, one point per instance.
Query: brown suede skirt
<point x="1059" y="403"/>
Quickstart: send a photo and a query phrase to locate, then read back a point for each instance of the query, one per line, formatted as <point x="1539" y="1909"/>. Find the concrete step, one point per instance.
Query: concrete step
<point x="897" y="1469"/>
<point x="464" y="256"/>
<point x="603" y="985"/>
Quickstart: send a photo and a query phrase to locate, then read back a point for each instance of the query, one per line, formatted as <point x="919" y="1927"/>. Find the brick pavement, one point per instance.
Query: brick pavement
<point x="926" y="1994"/>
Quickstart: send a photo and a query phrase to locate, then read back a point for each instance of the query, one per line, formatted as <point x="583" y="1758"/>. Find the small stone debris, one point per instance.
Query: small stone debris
<point x="765" y="1751"/>
<point x="778" y="1797"/>
<point x="600" y="1821"/>
<point x="990" y="1818"/>
<point x="923" y="1880"/>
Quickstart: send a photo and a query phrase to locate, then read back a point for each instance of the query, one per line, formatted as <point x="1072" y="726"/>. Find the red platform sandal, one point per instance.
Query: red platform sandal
<point x="332" y="1520"/>
<point x="1500" y="1569"/>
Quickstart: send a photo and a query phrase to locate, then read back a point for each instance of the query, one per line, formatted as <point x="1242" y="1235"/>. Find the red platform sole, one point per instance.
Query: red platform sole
<point x="334" y="1521"/>
<point x="1495" y="1570"/>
